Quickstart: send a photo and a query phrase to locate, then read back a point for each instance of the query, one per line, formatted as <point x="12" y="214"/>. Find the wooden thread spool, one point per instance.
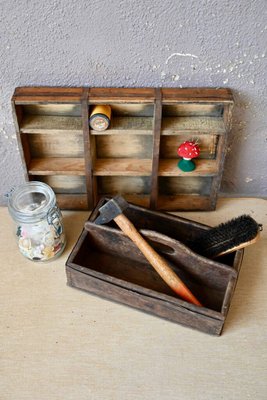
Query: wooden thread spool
<point x="100" y="117"/>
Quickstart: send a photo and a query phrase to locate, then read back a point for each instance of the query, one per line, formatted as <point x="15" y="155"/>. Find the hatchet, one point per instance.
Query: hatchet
<point x="113" y="210"/>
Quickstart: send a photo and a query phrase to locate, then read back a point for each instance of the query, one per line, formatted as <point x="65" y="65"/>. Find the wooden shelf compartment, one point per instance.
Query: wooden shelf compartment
<point x="48" y="118"/>
<point x="189" y="185"/>
<point x="57" y="166"/>
<point x="51" y="124"/>
<point x="70" y="190"/>
<point x="72" y="201"/>
<point x="142" y="200"/>
<point x="128" y="119"/>
<point x="135" y="189"/>
<point x="123" y="146"/>
<point x="122" y="167"/>
<point x="207" y="143"/>
<point x="168" y="167"/>
<point x="192" y="125"/>
<point x="184" y="202"/>
<point x="137" y="156"/>
<point x="128" y="126"/>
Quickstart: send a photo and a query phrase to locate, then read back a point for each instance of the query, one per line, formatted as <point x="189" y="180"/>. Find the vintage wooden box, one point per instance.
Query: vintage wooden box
<point x="136" y="156"/>
<point x="106" y="263"/>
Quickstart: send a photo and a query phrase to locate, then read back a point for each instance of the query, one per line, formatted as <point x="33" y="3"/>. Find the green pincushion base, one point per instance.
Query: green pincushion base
<point x="186" y="165"/>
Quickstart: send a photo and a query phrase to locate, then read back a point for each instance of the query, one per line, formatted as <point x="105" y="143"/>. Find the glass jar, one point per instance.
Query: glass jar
<point x="38" y="221"/>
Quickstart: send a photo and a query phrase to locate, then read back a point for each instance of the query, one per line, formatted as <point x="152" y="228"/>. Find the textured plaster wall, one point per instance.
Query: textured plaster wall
<point x="142" y="43"/>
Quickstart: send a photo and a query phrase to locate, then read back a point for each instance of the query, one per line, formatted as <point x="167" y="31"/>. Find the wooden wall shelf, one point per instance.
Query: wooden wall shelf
<point x="136" y="156"/>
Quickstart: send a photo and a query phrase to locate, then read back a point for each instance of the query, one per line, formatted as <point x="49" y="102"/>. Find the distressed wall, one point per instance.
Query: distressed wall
<point x="142" y="43"/>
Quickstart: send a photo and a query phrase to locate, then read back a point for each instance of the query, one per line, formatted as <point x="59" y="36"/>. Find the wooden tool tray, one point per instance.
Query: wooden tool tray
<point x="106" y="263"/>
<point x="136" y="156"/>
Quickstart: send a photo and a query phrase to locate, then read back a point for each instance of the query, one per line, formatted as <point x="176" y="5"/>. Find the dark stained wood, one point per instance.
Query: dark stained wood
<point x="87" y="149"/>
<point x="72" y="201"/>
<point x="204" y="95"/>
<point x="33" y="94"/>
<point x="127" y="95"/>
<point x="156" y="149"/>
<point x="107" y="263"/>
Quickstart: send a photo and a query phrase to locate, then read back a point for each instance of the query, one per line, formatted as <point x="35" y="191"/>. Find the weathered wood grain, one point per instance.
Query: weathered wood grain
<point x="168" y="167"/>
<point x="51" y="124"/>
<point x="156" y="149"/>
<point x="201" y="95"/>
<point x="147" y="126"/>
<point x="192" y="109"/>
<point x="124" y="184"/>
<point x="192" y="125"/>
<point x="128" y="126"/>
<point x="124" y="146"/>
<point x="105" y="262"/>
<point x="72" y="201"/>
<point x="176" y="185"/>
<point x="54" y="145"/>
<point x="57" y="166"/>
<point x="122" y="166"/>
<point x="207" y="144"/>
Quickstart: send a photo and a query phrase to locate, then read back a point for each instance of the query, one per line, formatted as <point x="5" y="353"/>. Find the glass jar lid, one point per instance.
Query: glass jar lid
<point x="31" y="201"/>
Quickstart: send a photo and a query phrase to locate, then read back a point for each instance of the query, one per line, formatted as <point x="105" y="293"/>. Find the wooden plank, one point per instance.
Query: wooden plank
<point x="123" y="146"/>
<point x="50" y="124"/>
<point x="127" y="126"/>
<point x="156" y="149"/>
<point x="45" y="94"/>
<point x="123" y="166"/>
<point x="72" y="110"/>
<point x="192" y="125"/>
<point x="60" y="166"/>
<point x="72" y="201"/>
<point x="88" y="150"/>
<point x="184" y="203"/>
<point x="168" y="167"/>
<point x="46" y="99"/>
<point x="47" y="90"/>
<point x="123" y="95"/>
<point x="200" y="95"/>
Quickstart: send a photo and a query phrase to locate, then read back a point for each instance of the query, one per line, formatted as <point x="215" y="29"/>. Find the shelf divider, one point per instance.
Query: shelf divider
<point x="87" y="148"/>
<point x="156" y="148"/>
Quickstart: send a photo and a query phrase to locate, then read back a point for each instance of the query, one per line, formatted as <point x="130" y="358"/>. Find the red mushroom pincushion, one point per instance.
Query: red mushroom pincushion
<point x="188" y="150"/>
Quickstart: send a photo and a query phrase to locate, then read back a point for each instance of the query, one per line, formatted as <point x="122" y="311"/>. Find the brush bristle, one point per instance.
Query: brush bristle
<point x="226" y="236"/>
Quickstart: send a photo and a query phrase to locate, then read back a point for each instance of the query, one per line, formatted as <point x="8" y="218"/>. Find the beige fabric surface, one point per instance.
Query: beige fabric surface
<point x="61" y="343"/>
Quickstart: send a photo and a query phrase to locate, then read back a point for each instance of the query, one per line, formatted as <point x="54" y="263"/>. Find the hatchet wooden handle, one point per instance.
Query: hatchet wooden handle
<point x="157" y="262"/>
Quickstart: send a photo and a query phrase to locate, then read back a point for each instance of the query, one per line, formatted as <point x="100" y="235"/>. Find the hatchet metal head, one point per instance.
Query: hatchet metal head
<point x="111" y="210"/>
